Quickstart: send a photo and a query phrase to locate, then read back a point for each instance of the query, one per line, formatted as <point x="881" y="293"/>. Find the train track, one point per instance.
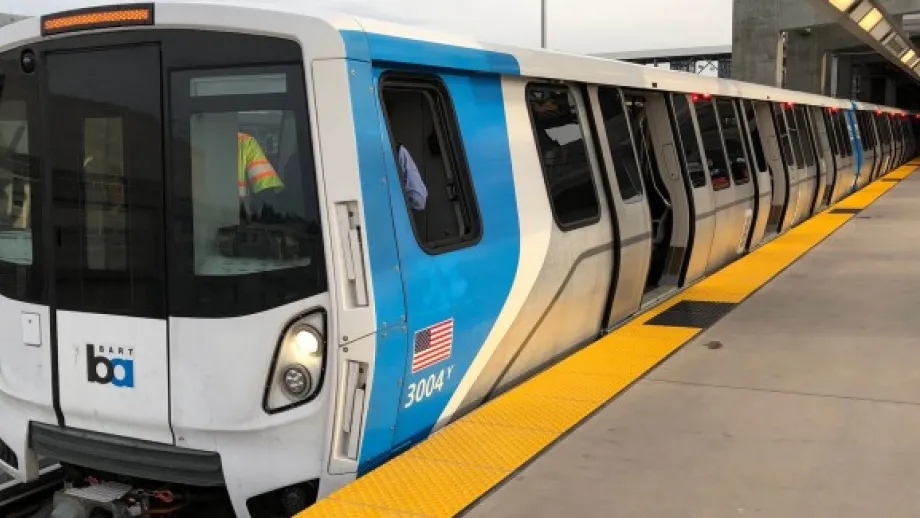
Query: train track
<point x="24" y="500"/>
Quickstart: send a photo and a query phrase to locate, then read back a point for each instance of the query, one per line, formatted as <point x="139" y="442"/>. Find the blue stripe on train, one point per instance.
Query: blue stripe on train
<point x="470" y="285"/>
<point x="856" y="139"/>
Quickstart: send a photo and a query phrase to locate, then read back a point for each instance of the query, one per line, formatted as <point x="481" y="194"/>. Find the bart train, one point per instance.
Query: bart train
<point x="176" y="337"/>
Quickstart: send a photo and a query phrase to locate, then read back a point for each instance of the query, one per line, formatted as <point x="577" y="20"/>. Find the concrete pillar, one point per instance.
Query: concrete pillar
<point x="805" y="62"/>
<point x="756" y="44"/>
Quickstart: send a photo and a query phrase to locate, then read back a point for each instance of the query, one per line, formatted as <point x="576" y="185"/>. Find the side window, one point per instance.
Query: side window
<point x="783" y="135"/>
<point x="563" y="155"/>
<point x="686" y="133"/>
<point x="755" y="135"/>
<point x="732" y="134"/>
<point x="621" y="143"/>
<point x="843" y="128"/>
<point x="712" y="144"/>
<point x="432" y="166"/>
<point x="863" y="130"/>
<point x="641" y="133"/>
<point x="795" y="136"/>
<point x="20" y="185"/>
<point x="831" y="132"/>
<point x="805" y="136"/>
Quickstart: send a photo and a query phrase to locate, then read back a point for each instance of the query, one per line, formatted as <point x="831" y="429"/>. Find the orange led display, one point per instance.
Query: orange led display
<point x="97" y="18"/>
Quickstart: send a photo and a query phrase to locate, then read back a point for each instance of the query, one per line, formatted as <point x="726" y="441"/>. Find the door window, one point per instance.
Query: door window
<point x="107" y="179"/>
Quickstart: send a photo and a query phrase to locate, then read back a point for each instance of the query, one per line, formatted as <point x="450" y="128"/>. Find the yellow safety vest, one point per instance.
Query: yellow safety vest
<point x="255" y="167"/>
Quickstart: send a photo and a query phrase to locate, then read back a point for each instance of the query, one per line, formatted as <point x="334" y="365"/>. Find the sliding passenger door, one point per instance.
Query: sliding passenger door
<point x="758" y="163"/>
<point x="778" y="153"/>
<point x="863" y="139"/>
<point x="634" y="231"/>
<point x="693" y="173"/>
<point x="803" y="149"/>
<point x="846" y="173"/>
<point x="824" y="121"/>
<point x="731" y="181"/>
<point x="824" y="160"/>
<point x="669" y="207"/>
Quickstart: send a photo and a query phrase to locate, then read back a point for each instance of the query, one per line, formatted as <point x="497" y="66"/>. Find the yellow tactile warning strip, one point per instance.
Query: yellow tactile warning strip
<point x="453" y="468"/>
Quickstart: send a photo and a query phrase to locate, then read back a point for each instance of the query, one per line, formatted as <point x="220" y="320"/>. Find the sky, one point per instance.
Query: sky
<point x="582" y="26"/>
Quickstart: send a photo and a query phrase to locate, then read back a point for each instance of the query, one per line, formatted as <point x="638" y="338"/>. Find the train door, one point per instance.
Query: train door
<point x="902" y="140"/>
<point x="852" y="155"/>
<point x="693" y="173"/>
<point x="783" y="161"/>
<point x="805" y="159"/>
<point x="831" y="147"/>
<point x="824" y="161"/>
<point x="729" y="176"/>
<point x="896" y="122"/>
<point x="637" y="242"/>
<point x="891" y="143"/>
<point x="837" y="153"/>
<point x="863" y="140"/>
<point x="758" y="162"/>
<point x="455" y="276"/>
<point x="876" y="144"/>
<point x="883" y="148"/>
<point x="106" y="227"/>
<point x="670" y="208"/>
<point x="776" y="156"/>
<point x="810" y="180"/>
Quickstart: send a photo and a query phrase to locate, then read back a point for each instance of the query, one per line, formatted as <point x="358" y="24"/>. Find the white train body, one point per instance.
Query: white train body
<point x="154" y="333"/>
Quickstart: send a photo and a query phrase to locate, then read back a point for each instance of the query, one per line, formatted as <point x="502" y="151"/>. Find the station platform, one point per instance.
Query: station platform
<point x="785" y="385"/>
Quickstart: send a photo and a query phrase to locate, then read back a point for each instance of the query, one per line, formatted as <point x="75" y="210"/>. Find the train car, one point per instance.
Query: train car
<point x="417" y="222"/>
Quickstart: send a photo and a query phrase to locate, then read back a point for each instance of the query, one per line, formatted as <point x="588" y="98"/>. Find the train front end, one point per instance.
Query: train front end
<point x="164" y="284"/>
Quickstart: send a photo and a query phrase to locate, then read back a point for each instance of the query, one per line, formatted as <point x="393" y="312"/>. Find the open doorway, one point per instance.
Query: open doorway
<point x="666" y="196"/>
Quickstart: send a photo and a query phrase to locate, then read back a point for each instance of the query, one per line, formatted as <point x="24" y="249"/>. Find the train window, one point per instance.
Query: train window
<point x="635" y="105"/>
<point x="863" y="130"/>
<point x="687" y="141"/>
<point x="831" y="132"/>
<point x="783" y="135"/>
<point x="20" y="196"/>
<point x="429" y="157"/>
<point x="712" y="144"/>
<point x="754" y="129"/>
<point x="563" y="155"/>
<point x="107" y="175"/>
<point x="805" y="136"/>
<point x="795" y="136"/>
<point x="843" y="131"/>
<point x="620" y="140"/>
<point x="732" y="135"/>
<point x="255" y="243"/>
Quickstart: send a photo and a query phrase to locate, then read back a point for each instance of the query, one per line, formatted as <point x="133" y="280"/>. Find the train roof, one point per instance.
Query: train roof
<point x="530" y="62"/>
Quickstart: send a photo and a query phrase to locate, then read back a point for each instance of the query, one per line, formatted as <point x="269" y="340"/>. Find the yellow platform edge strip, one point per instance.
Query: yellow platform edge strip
<point x="452" y="469"/>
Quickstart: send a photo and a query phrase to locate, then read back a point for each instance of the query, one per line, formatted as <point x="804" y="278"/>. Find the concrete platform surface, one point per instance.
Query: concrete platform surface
<point x="811" y="407"/>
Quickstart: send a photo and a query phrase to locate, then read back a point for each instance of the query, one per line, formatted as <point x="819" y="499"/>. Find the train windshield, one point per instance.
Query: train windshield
<point x="172" y="182"/>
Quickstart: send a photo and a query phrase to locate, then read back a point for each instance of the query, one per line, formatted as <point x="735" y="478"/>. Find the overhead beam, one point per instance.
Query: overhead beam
<point x="873" y="25"/>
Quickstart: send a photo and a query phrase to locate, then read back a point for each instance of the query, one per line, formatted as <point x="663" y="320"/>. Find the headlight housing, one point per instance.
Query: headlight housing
<point x="299" y="364"/>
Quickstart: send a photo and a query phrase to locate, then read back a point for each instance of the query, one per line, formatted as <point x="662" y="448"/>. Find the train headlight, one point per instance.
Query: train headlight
<point x="297" y="380"/>
<point x="299" y="364"/>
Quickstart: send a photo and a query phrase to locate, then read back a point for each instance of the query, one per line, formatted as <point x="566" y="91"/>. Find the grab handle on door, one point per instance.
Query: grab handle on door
<point x="352" y="243"/>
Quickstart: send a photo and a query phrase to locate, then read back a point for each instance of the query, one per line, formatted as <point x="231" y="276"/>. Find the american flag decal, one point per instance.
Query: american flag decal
<point x="432" y="345"/>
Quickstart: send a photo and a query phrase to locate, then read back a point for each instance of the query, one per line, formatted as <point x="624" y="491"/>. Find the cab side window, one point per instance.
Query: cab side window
<point x="433" y="171"/>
